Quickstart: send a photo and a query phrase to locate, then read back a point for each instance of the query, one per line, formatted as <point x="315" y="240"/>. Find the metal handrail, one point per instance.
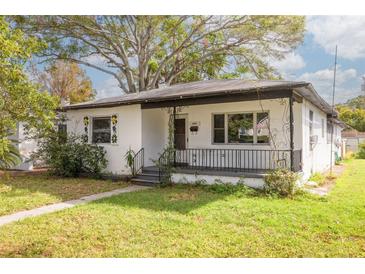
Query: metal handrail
<point x="138" y="161"/>
<point x="163" y="161"/>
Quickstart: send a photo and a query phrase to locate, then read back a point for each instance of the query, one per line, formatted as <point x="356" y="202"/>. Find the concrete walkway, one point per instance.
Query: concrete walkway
<point x="67" y="204"/>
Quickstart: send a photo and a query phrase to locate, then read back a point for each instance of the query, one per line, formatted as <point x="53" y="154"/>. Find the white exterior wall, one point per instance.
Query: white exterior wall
<point x="318" y="159"/>
<point x="156" y="120"/>
<point x="25" y="146"/>
<point x="181" y="178"/>
<point x="203" y="115"/>
<point x="129" y="132"/>
<point x="155" y="126"/>
<point x="154" y="133"/>
<point x="148" y="128"/>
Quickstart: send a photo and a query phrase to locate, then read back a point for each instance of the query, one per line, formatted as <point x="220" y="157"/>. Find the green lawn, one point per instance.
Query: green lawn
<point x="26" y="192"/>
<point x="192" y="222"/>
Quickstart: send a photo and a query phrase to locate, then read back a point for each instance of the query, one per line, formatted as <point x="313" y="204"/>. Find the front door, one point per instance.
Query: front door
<point x="179" y="136"/>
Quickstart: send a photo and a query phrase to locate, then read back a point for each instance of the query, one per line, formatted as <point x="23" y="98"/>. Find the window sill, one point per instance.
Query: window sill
<point x="105" y="144"/>
<point x="240" y="144"/>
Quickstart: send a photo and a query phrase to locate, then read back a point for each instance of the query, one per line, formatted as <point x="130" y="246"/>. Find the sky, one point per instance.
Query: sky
<point x="313" y="61"/>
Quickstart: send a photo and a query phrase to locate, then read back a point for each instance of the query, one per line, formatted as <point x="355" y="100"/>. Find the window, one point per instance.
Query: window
<point x="310" y="123"/>
<point x="241" y="128"/>
<point x="62" y="128"/>
<point x="322" y="128"/>
<point x="218" y="128"/>
<point x="329" y="131"/>
<point x="101" y="130"/>
<point x="62" y="132"/>
<point x="310" y="129"/>
<point x="262" y="128"/>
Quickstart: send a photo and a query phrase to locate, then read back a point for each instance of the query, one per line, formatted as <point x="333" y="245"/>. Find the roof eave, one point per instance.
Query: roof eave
<point x="181" y="97"/>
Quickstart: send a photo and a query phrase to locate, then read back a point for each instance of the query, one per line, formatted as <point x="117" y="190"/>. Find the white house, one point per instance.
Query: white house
<point x="223" y="129"/>
<point x="25" y="146"/>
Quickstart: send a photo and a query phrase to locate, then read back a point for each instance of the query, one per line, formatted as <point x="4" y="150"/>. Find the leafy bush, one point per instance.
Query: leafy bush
<point x="9" y="155"/>
<point x="281" y="182"/>
<point x="129" y="157"/>
<point x="361" y="152"/>
<point x="349" y="155"/>
<point x="69" y="156"/>
<point x="227" y="188"/>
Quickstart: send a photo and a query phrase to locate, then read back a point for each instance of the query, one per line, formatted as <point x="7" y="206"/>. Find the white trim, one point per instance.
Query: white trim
<point x="226" y="127"/>
<point x="92" y="124"/>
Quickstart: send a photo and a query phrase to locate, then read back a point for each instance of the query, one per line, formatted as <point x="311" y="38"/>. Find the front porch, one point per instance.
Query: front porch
<point x="231" y="136"/>
<point x="247" y="163"/>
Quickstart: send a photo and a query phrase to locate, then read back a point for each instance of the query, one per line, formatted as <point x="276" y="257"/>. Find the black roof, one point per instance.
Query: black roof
<point x="208" y="88"/>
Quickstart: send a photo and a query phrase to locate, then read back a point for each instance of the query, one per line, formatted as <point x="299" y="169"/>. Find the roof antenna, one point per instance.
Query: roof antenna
<point x="333" y="109"/>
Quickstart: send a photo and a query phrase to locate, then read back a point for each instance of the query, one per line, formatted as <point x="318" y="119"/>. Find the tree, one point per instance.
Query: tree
<point x="353" y="112"/>
<point x="19" y="98"/>
<point x="142" y="52"/>
<point x="357" y="102"/>
<point x="67" y="81"/>
<point x="353" y="117"/>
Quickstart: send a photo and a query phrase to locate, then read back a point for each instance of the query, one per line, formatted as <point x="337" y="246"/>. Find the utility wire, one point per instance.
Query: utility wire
<point x="333" y="109"/>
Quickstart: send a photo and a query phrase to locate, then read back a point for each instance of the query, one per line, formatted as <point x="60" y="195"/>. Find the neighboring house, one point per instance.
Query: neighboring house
<point x="223" y="129"/>
<point x="25" y="146"/>
<point x="352" y="139"/>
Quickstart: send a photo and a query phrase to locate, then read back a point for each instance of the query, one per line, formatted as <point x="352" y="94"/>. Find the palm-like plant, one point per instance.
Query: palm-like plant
<point x="10" y="157"/>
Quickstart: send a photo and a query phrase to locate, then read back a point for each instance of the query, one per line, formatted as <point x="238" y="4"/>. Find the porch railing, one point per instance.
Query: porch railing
<point x="236" y="159"/>
<point x="138" y="161"/>
<point x="164" y="161"/>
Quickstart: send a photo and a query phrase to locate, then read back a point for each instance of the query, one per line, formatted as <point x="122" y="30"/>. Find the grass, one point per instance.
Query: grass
<point x="184" y="221"/>
<point x="27" y="192"/>
<point x="317" y="177"/>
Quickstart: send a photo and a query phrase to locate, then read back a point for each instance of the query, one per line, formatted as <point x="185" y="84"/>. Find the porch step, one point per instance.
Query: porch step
<point x="149" y="173"/>
<point x="148" y="177"/>
<point x="144" y="176"/>
<point x="150" y="169"/>
<point x="144" y="182"/>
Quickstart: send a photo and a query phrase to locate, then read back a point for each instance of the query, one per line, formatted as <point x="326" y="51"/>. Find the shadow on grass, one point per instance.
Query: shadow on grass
<point x="62" y="188"/>
<point x="186" y="198"/>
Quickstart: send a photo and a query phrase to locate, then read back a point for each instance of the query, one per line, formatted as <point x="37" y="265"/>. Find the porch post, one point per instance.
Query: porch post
<point x="291" y="121"/>
<point x="174" y="117"/>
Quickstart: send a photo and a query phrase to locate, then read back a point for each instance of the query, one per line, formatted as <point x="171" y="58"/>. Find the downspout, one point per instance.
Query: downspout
<point x="174" y="116"/>
<point x="291" y="121"/>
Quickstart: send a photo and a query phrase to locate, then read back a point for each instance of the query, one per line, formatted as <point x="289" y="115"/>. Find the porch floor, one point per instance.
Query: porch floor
<point x="230" y="172"/>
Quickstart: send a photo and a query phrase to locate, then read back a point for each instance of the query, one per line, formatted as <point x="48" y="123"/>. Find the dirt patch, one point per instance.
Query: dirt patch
<point x="184" y="196"/>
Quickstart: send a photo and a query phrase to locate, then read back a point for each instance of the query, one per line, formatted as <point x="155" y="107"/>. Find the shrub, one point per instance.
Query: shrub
<point x="361" y="152"/>
<point x="281" y="182"/>
<point x="228" y="188"/>
<point x="69" y="156"/>
<point x="129" y="158"/>
<point x="349" y="155"/>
